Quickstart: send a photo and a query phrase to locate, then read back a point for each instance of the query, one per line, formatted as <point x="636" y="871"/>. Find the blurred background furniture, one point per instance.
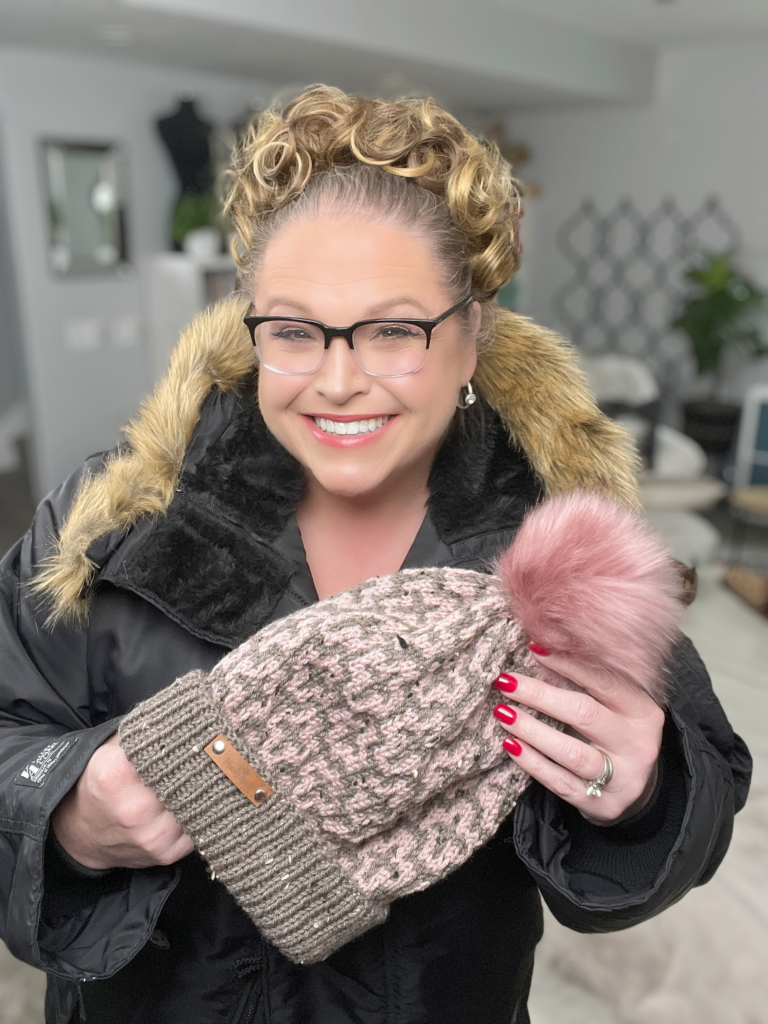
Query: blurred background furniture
<point x="177" y="286"/>
<point x="748" y="500"/>
<point x="674" y="486"/>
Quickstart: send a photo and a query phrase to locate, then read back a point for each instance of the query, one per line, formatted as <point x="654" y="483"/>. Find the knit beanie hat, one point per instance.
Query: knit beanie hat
<point x="346" y="755"/>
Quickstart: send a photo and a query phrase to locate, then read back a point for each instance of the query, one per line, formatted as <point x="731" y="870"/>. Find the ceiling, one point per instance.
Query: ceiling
<point x="479" y="54"/>
<point x="655" y="21"/>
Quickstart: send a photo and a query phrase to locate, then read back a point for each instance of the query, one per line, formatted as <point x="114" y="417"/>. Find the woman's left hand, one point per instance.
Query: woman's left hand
<point x="610" y="716"/>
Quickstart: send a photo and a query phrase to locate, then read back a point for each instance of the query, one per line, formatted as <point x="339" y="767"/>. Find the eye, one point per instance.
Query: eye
<point x="291" y="333"/>
<point x="294" y="333"/>
<point x="394" y="332"/>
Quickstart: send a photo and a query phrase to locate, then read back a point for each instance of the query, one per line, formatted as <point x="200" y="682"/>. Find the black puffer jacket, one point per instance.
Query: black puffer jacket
<point x="175" y="592"/>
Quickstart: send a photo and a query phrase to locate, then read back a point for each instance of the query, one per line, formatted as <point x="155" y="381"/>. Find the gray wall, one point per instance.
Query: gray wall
<point x="11" y="357"/>
<point x="705" y="132"/>
<point x="80" y="399"/>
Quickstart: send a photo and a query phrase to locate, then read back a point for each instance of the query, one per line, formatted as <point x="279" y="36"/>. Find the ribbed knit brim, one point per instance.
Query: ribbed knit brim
<point x="273" y="861"/>
<point x="368" y="718"/>
<point x="359" y="759"/>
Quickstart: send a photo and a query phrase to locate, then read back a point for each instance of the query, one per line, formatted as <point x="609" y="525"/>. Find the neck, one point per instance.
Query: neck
<point x="383" y="504"/>
<point x="350" y="539"/>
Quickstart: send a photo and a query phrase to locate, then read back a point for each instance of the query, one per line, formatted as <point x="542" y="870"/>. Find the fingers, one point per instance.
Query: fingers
<point x="181" y="848"/>
<point x="168" y="842"/>
<point x="580" y="759"/>
<point x="146" y="840"/>
<point x="563" y="783"/>
<point x="579" y="710"/>
<point x="613" y="692"/>
<point x="121" y="822"/>
<point x="130" y="855"/>
<point x="616" y="801"/>
<point x="562" y="762"/>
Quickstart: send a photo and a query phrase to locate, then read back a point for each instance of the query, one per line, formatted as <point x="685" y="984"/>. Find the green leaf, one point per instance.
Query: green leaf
<point x="720" y="310"/>
<point x="194" y="210"/>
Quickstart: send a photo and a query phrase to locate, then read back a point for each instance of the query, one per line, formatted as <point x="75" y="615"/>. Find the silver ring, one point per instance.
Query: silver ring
<point x="595" y="786"/>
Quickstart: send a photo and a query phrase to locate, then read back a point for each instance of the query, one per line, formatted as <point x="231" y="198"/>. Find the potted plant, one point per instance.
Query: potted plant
<point x="195" y="226"/>
<point x="722" y="309"/>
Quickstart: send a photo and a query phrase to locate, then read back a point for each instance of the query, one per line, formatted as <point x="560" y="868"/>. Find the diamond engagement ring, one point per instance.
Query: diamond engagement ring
<point x="595" y="786"/>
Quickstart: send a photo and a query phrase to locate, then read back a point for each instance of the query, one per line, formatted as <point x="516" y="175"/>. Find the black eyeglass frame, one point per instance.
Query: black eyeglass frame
<point x="329" y="333"/>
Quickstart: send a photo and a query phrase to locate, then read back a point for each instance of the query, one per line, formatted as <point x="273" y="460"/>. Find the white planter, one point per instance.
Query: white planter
<point x="203" y="243"/>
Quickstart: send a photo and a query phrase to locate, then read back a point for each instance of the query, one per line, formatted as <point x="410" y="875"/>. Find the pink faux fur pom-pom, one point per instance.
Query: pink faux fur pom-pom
<point x="591" y="580"/>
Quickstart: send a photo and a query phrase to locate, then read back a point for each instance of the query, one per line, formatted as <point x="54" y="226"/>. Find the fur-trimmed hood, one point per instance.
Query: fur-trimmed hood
<point x="529" y="377"/>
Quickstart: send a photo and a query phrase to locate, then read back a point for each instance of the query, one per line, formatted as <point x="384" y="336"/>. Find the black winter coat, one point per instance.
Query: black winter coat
<point x="169" y="945"/>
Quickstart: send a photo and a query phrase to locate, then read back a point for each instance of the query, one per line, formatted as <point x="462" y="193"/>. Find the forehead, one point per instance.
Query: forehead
<point x="336" y="251"/>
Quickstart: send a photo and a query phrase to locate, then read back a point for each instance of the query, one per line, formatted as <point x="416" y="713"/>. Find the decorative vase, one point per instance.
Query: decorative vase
<point x="202" y="243"/>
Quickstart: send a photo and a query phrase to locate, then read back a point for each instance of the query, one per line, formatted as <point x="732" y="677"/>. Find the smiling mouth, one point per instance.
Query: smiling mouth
<point x="351" y="427"/>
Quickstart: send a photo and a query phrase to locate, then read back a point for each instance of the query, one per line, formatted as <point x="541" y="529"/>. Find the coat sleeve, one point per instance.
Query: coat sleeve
<point x="47" y="735"/>
<point x="602" y="879"/>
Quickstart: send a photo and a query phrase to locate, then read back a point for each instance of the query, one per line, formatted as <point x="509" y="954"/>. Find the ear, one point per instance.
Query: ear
<point x="474" y="315"/>
<point x="470" y="355"/>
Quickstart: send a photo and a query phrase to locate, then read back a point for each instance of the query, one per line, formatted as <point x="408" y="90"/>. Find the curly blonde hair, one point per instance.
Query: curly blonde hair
<point x="408" y="159"/>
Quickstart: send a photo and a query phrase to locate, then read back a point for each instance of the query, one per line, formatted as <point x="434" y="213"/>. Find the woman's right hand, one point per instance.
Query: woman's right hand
<point x="110" y="819"/>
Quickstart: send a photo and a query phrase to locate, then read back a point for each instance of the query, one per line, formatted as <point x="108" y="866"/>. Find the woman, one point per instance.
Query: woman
<point x="252" y="487"/>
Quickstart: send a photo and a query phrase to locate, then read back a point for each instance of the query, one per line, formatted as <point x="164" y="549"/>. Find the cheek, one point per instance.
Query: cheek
<point x="275" y="394"/>
<point x="432" y="399"/>
<point x="276" y="391"/>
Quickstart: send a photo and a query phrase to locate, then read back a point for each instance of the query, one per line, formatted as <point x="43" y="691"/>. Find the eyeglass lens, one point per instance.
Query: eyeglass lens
<point x="384" y="349"/>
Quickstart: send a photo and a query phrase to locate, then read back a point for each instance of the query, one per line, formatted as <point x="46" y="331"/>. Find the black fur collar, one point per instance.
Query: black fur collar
<point x="211" y="562"/>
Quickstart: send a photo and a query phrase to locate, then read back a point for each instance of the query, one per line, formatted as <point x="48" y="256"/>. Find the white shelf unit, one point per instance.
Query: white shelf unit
<point x="177" y="286"/>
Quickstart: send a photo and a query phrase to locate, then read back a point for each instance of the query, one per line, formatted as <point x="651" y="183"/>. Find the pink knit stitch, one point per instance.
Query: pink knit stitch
<point x="370" y="714"/>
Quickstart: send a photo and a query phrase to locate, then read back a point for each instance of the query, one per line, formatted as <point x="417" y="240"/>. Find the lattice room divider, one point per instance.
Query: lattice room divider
<point x="627" y="279"/>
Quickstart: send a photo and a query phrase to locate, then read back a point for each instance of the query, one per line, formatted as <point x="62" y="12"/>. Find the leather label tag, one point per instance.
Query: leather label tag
<point x="238" y="771"/>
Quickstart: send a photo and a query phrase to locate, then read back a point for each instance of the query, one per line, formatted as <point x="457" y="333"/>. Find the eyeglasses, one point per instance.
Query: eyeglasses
<point x="382" y="348"/>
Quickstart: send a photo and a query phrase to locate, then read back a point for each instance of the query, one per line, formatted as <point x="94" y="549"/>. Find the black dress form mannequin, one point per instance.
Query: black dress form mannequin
<point x="187" y="138"/>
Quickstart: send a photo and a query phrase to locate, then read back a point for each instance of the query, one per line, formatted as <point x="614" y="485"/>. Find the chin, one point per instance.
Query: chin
<point x="343" y="486"/>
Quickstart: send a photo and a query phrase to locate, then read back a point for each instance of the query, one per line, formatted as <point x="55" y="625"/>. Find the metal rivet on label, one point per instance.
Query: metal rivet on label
<point x="260" y="794"/>
<point x="219" y="747"/>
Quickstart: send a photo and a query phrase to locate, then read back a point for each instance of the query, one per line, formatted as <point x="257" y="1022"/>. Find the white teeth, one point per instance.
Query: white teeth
<point x="353" y="427"/>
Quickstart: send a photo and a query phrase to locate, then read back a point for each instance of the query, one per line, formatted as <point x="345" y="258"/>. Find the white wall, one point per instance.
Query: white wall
<point x="483" y="55"/>
<point x="80" y="400"/>
<point x="705" y="132"/>
<point x="11" y="364"/>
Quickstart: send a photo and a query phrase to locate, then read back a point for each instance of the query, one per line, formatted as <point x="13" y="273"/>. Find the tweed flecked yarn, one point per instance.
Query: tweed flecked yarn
<point x="369" y="714"/>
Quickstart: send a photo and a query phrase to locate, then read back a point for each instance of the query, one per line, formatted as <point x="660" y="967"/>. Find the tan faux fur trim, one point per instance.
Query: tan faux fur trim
<point x="214" y="351"/>
<point x="529" y="376"/>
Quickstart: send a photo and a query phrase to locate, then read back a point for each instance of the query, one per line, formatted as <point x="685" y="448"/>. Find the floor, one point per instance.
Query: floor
<point x="702" y="962"/>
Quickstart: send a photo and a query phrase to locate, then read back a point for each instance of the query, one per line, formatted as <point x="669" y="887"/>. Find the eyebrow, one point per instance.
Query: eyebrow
<point x="373" y="312"/>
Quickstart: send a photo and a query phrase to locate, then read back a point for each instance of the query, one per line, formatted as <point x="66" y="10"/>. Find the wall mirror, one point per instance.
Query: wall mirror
<point x="86" y="214"/>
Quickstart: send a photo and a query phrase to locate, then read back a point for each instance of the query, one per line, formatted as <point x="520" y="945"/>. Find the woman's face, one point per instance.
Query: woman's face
<point x="338" y="271"/>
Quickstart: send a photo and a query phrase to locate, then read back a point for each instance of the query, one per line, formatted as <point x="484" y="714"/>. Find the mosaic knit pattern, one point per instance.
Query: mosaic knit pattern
<point x="370" y="715"/>
<point x="373" y="710"/>
<point x="275" y="864"/>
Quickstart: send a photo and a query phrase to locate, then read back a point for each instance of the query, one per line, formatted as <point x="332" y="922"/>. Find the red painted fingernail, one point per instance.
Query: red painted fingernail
<point x="505" y="714"/>
<point x="538" y="649"/>
<point x="506" y="683"/>
<point x="512" y="747"/>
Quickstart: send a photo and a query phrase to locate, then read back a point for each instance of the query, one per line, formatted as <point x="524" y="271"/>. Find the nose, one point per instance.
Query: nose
<point x="340" y="377"/>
